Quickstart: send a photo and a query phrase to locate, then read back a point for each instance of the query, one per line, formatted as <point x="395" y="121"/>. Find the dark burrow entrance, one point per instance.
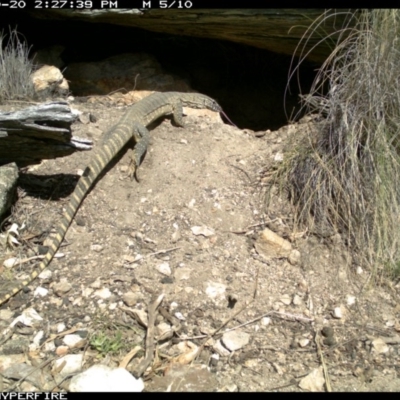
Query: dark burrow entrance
<point x="249" y="83"/>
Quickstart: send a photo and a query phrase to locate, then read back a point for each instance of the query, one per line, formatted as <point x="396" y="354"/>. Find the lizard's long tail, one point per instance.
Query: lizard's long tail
<point x="98" y="163"/>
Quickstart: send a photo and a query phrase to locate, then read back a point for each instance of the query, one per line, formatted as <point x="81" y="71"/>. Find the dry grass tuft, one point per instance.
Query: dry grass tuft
<point x="346" y="177"/>
<point x="15" y="68"/>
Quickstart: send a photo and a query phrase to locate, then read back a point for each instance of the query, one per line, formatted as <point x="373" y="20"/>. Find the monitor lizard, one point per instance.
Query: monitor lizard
<point x="131" y="126"/>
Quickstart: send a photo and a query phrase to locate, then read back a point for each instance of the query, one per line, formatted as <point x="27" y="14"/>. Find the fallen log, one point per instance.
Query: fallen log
<point x="39" y="132"/>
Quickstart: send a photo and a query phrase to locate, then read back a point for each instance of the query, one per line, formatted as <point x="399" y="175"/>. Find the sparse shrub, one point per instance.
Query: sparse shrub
<point x="106" y="344"/>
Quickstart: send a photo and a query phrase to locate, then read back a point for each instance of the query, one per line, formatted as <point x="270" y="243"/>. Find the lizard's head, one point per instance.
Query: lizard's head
<point x="197" y="100"/>
<point x="212" y="104"/>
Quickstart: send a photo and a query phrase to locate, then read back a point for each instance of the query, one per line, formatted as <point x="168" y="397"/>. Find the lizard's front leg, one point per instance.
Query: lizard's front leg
<point x="177" y="113"/>
<point x="141" y="136"/>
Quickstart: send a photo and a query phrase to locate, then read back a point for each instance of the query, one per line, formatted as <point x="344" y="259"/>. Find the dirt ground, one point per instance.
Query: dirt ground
<point x="315" y="319"/>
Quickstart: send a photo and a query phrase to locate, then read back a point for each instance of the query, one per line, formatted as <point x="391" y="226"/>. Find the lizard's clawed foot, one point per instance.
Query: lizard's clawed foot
<point x="132" y="170"/>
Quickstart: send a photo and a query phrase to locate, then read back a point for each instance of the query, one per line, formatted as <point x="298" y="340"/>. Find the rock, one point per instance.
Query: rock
<point x="68" y="365"/>
<point x="202" y="230"/>
<point x="62" y="350"/>
<point x="101" y="378"/>
<point x="61" y="327"/>
<point x="103" y="293"/>
<point x="337" y="313"/>
<point x="235" y="340"/>
<point x="37" y="341"/>
<point x="285" y="299"/>
<point x="379" y="346"/>
<point x="46" y="274"/>
<point x="8" y="184"/>
<point x="294" y="257"/>
<point x="164" y="331"/>
<point x="29" y="317"/>
<point x="271" y="245"/>
<point x="40" y="292"/>
<point x="6" y="361"/>
<point x="13" y="261"/>
<point x="269" y="28"/>
<point x="297" y="300"/>
<point x="6" y="315"/>
<point x="16" y="346"/>
<point x="61" y="288"/>
<point x="278" y="157"/>
<point x="350" y="300"/>
<point x="313" y="382"/>
<point x="24" y="371"/>
<point x="74" y="341"/>
<point x="96" y="247"/>
<point x="48" y="81"/>
<point x="164" y="268"/>
<point x="220" y="349"/>
<point x="304" y="342"/>
<point x="176" y="236"/>
<point x="130" y="298"/>
<point x="265" y="321"/>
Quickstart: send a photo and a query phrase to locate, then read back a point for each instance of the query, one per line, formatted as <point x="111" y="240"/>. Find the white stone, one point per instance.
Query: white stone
<point x="164" y="268"/>
<point x="36" y="341"/>
<point x="191" y="203"/>
<point x="61" y="327"/>
<point x="96" y="247"/>
<point x="49" y="347"/>
<point x="28" y="317"/>
<point x="304" y="342"/>
<point x="101" y="378"/>
<point x="379" y="346"/>
<point x="265" y="321"/>
<point x="337" y="313"/>
<point x="350" y="300"/>
<point x="313" y="382"/>
<point x="297" y="300"/>
<point x="74" y="341"/>
<point x="180" y="316"/>
<point x="40" y="292"/>
<point x="220" y="349"/>
<point x="10" y="262"/>
<point x="294" y="257"/>
<point x="73" y="364"/>
<point x="202" y="230"/>
<point x="46" y="274"/>
<point x="285" y="299"/>
<point x="103" y="293"/>
<point x="235" y="340"/>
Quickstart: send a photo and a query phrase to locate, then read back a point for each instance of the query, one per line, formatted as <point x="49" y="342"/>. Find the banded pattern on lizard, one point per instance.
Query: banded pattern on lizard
<point x="131" y="126"/>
